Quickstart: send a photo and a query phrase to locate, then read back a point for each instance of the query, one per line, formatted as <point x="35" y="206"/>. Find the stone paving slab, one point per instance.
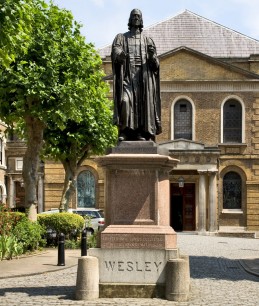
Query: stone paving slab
<point x="45" y="261"/>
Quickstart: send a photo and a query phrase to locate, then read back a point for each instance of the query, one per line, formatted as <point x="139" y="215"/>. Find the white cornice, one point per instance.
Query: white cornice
<point x="209" y="86"/>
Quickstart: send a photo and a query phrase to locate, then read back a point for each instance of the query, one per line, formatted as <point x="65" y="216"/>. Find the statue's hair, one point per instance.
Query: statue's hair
<point x="130" y="19"/>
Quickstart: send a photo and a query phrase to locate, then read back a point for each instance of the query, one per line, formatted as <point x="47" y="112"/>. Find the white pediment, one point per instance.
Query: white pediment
<point x="181" y="144"/>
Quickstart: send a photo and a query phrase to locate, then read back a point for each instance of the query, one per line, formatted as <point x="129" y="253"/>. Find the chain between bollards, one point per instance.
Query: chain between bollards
<point x="84" y="243"/>
<point x="61" y="250"/>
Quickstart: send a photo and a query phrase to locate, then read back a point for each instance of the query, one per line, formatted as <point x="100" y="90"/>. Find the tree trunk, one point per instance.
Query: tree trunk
<point x="31" y="160"/>
<point x="69" y="184"/>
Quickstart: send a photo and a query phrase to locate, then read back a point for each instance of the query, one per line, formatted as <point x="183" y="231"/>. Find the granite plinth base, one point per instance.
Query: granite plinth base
<point x="135" y="273"/>
<point x="140" y="291"/>
<point x="135" y="147"/>
<point x="140" y="273"/>
<point x="138" y="237"/>
<point x="136" y="266"/>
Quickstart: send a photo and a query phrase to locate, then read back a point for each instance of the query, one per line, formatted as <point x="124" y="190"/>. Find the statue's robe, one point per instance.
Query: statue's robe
<point x="146" y="116"/>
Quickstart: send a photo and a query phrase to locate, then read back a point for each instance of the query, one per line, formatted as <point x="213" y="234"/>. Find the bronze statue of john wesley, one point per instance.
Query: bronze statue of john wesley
<point x="136" y="87"/>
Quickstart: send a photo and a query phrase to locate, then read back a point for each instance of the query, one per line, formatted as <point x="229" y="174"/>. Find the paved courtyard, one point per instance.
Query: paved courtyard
<point x="217" y="278"/>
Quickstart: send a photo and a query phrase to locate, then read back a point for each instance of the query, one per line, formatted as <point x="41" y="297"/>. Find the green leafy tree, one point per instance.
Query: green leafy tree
<point x="16" y="19"/>
<point x="59" y="75"/>
<point x="80" y="139"/>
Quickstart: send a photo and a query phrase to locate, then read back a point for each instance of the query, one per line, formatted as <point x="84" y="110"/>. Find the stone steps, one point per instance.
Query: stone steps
<point x="245" y="234"/>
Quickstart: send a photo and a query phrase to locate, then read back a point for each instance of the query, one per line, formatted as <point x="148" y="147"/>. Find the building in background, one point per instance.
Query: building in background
<point x="209" y="77"/>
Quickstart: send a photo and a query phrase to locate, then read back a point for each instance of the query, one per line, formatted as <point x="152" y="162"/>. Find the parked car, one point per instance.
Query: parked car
<point x="53" y="211"/>
<point x="97" y="218"/>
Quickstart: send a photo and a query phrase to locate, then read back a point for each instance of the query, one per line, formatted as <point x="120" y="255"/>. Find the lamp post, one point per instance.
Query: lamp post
<point x="181" y="182"/>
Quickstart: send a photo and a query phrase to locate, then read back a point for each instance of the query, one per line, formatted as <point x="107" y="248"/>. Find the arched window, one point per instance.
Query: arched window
<point x="85" y="189"/>
<point x="232" y="121"/>
<point x="183" y="119"/>
<point x="232" y="191"/>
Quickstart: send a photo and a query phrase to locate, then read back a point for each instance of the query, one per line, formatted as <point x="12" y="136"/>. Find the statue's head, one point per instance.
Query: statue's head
<point x="135" y="19"/>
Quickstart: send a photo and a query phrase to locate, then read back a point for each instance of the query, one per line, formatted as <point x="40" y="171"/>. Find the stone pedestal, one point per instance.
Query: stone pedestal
<point x="138" y="242"/>
<point x="137" y="197"/>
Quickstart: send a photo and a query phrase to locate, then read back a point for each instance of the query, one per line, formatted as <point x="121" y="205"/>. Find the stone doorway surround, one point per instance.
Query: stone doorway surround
<point x="198" y="164"/>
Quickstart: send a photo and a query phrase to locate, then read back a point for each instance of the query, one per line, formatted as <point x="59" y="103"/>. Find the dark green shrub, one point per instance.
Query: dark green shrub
<point x="29" y="234"/>
<point x="72" y="244"/>
<point x="18" y="234"/>
<point x="8" y="221"/>
<point x="65" y="223"/>
<point x="92" y="240"/>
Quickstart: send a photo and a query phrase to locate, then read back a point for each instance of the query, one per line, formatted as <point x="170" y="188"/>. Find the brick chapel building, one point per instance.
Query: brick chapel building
<point x="209" y="77"/>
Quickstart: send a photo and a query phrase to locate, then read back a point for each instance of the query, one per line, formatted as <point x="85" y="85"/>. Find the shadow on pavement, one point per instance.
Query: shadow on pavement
<point x="219" y="268"/>
<point x="65" y="292"/>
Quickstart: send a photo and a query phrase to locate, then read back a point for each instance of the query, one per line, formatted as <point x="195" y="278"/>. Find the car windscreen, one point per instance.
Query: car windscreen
<point x="91" y="213"/>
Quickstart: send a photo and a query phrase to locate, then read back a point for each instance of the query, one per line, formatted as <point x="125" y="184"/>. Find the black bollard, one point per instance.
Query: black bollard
<point x="61" y="250"/>
<point x="84" y="243"/>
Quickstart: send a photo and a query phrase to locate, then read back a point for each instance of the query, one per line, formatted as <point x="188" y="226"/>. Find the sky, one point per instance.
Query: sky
<point x="102" y="19"/>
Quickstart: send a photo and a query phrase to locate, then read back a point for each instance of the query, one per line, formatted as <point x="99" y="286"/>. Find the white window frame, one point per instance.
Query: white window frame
<point x="172" y="115"/>
<point x="18" y="163"/>
<point x="232" y="97"/>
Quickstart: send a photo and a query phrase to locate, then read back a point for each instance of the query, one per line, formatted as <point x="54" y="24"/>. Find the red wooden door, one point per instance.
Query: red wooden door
<point x="189" y="207"/>
<point x="183" y="207"/>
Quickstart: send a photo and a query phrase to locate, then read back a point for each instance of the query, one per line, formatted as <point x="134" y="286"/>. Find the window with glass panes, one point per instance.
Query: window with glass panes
<point x="183" y="120"/>
<point x="232" y="191"/>
<point x="86" y="189"/>
<point x="232" y="121"/>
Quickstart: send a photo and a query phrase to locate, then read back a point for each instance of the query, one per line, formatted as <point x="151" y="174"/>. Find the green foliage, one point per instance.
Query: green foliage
<point x="10" y="247"/>
<point x="8" y="221"/>
<point x="17" y="234"/>
<point x="3" y="207"/>
<point x="91" y="136"/>
<point x="76" y="243"/>
<point x="92" y="240"/>
<point x="72" y="244"/>
<point x="29" y="234"/>
<point x="64" y="222"/>
<point x="57" y="86"/>
<point x="88" y="221"/>
<point x="90" y="129"/>
<point x="58" y="80"/>
<point x="16" y="18"/>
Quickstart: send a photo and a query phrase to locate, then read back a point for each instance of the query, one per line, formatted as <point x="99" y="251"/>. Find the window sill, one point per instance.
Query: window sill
<point x="232" y="211"/>
<point x="232" y="148"/>
<point x="232" y="144"/>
